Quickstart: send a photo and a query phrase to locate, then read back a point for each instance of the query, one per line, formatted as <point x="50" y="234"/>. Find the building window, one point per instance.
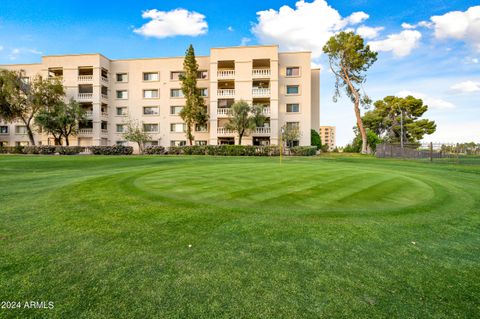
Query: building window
<point x="3" y="129"/>
<point x="177" y="127"/>
<point x="21" y="129"/>
<point x="175" y="76"/>
<point x="293" y="108"/>
<point x="175" y="110"/>
<point x="201" y="128"/>
<point x="200" y="143"/>
<point x="151" y="110"/>
<point x="293" y="71"/>
<point x="150" y="128"/>
<point x="122" y="77"/>
<point x="122" y="143"/>
<point x="203" y="92"/>
<point x="178" y="143"/>
<point x="3" y="143"/>
<point x="122" y="94"/>
<point x="121" y="111"/>
<point x="202" y="74"/>
<point x="23" y="143"/>
<point x="151" y="143"/>
<point x="120" y="128"/>
<point x="151" y="76"/>
<point x="150" y="94"/>
<point x="176" y="93"/>
<point x="293" y="89"/>
<point x="293" y="125"/>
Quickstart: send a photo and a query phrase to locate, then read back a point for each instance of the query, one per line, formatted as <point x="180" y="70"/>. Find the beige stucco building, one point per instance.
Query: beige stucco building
<point x="149" y="91"/>
<point x="328" y="136"/>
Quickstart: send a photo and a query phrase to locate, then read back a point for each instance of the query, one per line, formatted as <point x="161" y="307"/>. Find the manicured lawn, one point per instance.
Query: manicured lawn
<point x="341" y="237"/>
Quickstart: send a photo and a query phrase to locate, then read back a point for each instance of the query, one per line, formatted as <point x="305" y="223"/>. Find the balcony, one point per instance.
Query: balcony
<point x="89" y="115"/>
<point x="85" y="131"/>
<point x="226" y="74"/>
<point x="262" y="131"/>
<point x="104" y="96"/>
<point x="104" y="79"/>
<point x="225" y="111"/>
<point x="261" y="73"/>
<point x="84" y="96"/>
<point x="226" y="92"/>
<point x="85" y="78"/>
<point x="104" y="131"/>
<point x="266" y="110"/>
<point x="261" y="92"/>
<point x="224" y="131"/>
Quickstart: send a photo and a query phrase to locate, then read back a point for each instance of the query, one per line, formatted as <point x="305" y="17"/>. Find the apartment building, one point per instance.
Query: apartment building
<point x="328" y="136"/>
<point x="113" y="92"/>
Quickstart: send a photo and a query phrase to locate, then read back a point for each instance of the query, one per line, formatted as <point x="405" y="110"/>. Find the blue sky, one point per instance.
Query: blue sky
<point x="430" y="48"/>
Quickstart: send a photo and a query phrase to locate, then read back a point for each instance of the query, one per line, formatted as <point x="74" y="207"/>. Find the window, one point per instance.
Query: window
<point x="293" y="125"/>
<point x="151" y="143"/>
<point x="203" y="91"/>
<point x="178" y="143"/>
<point x="121" y="111"/>
<point x="151" y="110"/>
<point x="150" y="94"/>
<point x="202" y="74"/>
<point x="293" y="71"/>
<point x="20" y="129"/>
<point x="176" y="93"/>
<point x="175" y="110"/>
<point x="200" y="143"/>
<point x="122" y="143"/>
<point x="151" y="76"/>
<point x="122" y="94"/>
<point x="120" y="128"/>
<point x="3" y="143"/>
<point x="293" y="108"/>
<point x="3" y="129"/>
<point x="293" y="89"/>
<point x="150" y="128"/>
<point x="201" y="128"/>
<point x="122" y="77"/>
<point x="175" y="76"/>
<point x="23" y="143"/>
<point x="177" y="127"/>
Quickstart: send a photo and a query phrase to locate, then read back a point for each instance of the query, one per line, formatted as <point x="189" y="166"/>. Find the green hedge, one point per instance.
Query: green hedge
<point x="225" y="150"/>
<point x="111" y="150"/>
<point x="303" y="150"/>
<point x="69" y="150"/>
<point x="154" y="150"/>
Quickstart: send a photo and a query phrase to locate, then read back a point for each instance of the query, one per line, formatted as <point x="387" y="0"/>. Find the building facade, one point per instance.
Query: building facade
<point x="328" y="136"/>
<point x="112" y="92"/>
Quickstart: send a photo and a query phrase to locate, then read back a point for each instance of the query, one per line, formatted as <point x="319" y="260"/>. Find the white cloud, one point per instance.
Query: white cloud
<point x="408" y="26"/>
<point x="308" y="26"/>
<point x="432" y="102"/>
<point x="1" y="48"/>
<point x="369" y="32"/>
<point x="14" y="53"/>
<point x="164" y="24"/>
<point x="449" y="132"/>
<point x="230" y="28"/>
<point x="35" y="51"/>
<point x="400" y="44"/>
<point x="459" y="25"/>
<point x="244" y="41"/>
<point x="466" y="87"/>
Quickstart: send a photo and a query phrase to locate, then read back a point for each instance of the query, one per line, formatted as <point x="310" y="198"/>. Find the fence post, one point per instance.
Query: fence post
<point x="431" y="152"/>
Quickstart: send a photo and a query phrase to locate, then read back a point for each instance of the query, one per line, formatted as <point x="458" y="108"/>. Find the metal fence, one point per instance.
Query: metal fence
<point x="438" y="152"/>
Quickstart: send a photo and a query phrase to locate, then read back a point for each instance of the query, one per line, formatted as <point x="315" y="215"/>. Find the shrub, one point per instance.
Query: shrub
<point x="304" y="150"/>
<point x="315" y="139"/>
<point x="194" y="150"/>
<point x="42" y="150"/>
<point x="111" y="150"/>
<point x="154" y="150"/>
<point x="175" y="150"/>
<point x="69" y="150"/>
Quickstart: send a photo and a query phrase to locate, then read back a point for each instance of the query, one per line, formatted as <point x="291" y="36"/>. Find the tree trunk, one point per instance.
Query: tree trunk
<point x="30" y="135"/>
<point x="66" y="140"/>
<point x="363" y="133"/>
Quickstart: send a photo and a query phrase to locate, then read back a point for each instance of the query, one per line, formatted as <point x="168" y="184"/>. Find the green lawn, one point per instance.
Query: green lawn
<point x="333" y="237"/>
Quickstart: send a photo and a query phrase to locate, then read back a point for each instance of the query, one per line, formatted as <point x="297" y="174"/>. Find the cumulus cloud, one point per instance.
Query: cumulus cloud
<point x="400" y="44"/>
<point x="230" y="28"/>
<point x="308" y="26"/>
<point x="459" y="25"/>
<point x="466" y="87"/>
<point x="432" y="102"/>
<point x="369" y="32"/>
<point x="164" y="24"/>
<point x="245" y="41"/>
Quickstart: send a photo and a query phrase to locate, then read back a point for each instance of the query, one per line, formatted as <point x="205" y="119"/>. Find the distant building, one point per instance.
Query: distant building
<point x="328" y="136"/>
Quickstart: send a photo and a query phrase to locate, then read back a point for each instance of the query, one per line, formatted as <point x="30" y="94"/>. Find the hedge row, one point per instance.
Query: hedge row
<point x="42" y="149"/>
<point x="111" y="150"/>
<point x="303" y="150"/>
<point x="230" y="150"/>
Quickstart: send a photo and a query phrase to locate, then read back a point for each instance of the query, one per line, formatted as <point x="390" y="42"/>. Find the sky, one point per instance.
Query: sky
<point x="429" y="49"/>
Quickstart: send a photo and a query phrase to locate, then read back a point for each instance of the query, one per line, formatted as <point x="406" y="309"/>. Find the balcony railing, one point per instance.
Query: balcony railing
<point x="85" y="131"/>
<point x="224" y="131"/>
<point x="104" y="96"/>
<point x="266" y="110"/>
<point x="224" y="111"/>
<point x="104" y="79"/>
<point x="226" y="74"/>
<point x="262" y="130"/>
<point x="85" y="78"/>
<point x="89" y="114"/>
<point x="85" y="96"/>
<point x="262" y="73"/>
<point x="104" y="131"/>
<point x="104" y="114"/>
<point x="226" y="92"/>
<point x="261" y="92"/>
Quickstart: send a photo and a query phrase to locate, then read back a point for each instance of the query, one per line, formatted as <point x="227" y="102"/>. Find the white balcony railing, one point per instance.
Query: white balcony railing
<point x="85" y="131"/>
<point x="223" y="111"/>
<point x="104" y="96"/>
<point x="104" y="79"/>
<point x="85" y="96"/>
<point x="266" y="110"/>
<point x="262" y="130"/>
<point x="224" y="131"/>
<point x="260" y="92"/>
<point x="226" y="74"/>
<point x="226" y="92"/>
<point x="85" y="78"/>
<point x="89" y="114"/>
<point x="263" y="73"/>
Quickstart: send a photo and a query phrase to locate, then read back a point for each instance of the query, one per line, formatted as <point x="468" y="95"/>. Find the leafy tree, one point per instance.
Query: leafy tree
<point x="290" y="134"/>
<point x="315" y="139"/>
<point x="21" y="100"/>
<point x="244" y="118"/>
<point x="385" y="119"/>
<point x="135" y="133"/>
<point x="349" y="60"/>
<point x="356" y="146"/>
<point x="61" y="120"/>
<point x="195" y="110"/>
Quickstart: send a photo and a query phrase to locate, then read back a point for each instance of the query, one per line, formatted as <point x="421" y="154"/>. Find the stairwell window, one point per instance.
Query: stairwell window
<point x="293" y="89"/>
<point x="151" y="76"/>
<point x="293" y="71"/>
<point x="150" y="94"/>
<point x="293" y="108"/>
<point x="150" y="128"/>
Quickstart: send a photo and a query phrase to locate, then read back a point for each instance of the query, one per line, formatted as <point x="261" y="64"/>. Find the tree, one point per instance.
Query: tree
<point x="315" y="139"/>
<point x="195" y="110"/>
<point x="349" y="59"/>
<point x="22" y="100"/>
<point x="386" y="119"/>
<point x="244" y="118"/>
<point x="135" y="133"/>
<point x="290" y="134"/>
<point x="356" y="146"/>
<point x="61" y="120"/>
